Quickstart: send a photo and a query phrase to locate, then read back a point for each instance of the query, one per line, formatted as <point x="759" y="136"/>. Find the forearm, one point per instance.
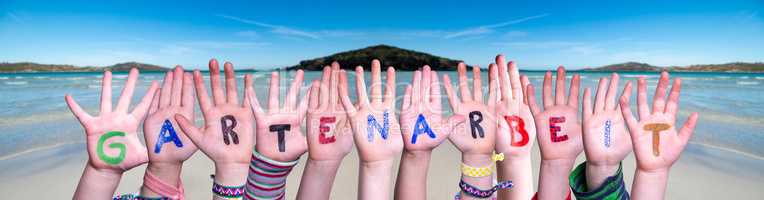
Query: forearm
<point x="597" y="173"/>
<point x="97" y="184"/>
<point x="519" y="170"/>
<point x="317" y="179"/>
<point x="412" y="175"/>
<point x="649" y="184"/>
<point x="553" y="179"/>
<point x="230" y="174"/>
<point x="374" y="179"/>
<point x="477" y="160"/>
<point x="168" y="173"/>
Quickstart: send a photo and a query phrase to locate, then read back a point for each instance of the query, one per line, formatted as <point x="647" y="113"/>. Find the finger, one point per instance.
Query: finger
<point x="685" y="133"/>
<point x="302" y="107"/>
<point x="344" y="97"/>
<point x="514" y="79"/>
<point x="575" y="84"/>
<point x="231" y="91"/>
<point x="493" y="87"/>
<point x="78" y="112"/>
<point x="612" y="90"/>
<point x="390" y="87"/>
<point x="504" y="81"/>
<point x="477" y="84"/>
<point x="659" y="99"/>
<point x="547" y="98"/>
<point x="642" y="107"/>
<point x="166" y="90"/>
<point x="560" y="89"/>
<point x="587" y="107"/>
<point x="333" y="93"/>
<point x="450" y="124"/>
<point x="177" y="86"/>
<point x="625" y="106"/>
<point x="326" y="79"/>
<point x="127" y="92"/>
<point x="154" y="106"/>
<point x="360" y="87"/>
<point x="435" y="98"/>
<point x="251" y="96"/>
<point x="273" y="94"/>
<point x="524" y="84"/>
<point x="407" y="95"/>
<point x="315" y="86"/>
<point x="106" y="93"/>
<point x="425" y="86"/>
<point x="140" y="110"/>
<point x="376" y="81"/>
<point x="532" y="100"/>
<point x="193" y="133"/>
<point x="463" y="86"/>
<point x="201" y="92"/>
<point x="673" y="100"/>
<point x="599" y="99"/>
<point x="416" y="91"/>
<point x="187" y="96"/>
<point x="217" y="92"/>
<point x="294" y="91"/>
<point x="452" y="99"/>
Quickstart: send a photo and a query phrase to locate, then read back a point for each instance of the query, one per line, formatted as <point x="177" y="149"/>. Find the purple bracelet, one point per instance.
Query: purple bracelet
<point x="478" y="193"/>
<point x="227" y="191"/>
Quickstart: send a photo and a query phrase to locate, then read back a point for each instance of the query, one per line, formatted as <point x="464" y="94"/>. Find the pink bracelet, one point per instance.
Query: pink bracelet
<point x="163" y="189"/>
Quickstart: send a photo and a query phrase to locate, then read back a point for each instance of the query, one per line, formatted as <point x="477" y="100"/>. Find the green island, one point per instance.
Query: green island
<point x="401" y="59"/>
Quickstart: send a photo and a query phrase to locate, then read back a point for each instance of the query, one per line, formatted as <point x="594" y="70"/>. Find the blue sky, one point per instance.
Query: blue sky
<point x="275" y="34"/>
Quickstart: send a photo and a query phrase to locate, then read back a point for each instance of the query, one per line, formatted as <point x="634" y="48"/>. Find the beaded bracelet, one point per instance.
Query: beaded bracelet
<point x="481" y="171"/>
<point x="135" y="196"/>
<point x="478" y="193"/>
<point x="228" y="192"/>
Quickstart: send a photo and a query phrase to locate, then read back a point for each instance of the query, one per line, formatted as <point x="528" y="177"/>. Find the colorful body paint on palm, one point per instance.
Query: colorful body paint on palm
<point x="554" y="129"/>
<point x="228" y="129"/>
<point x="517" y="125"/>
<point x="475" y="118"/>
<point x="120" y="146"/>
<point x="323" y="129"/>
<point x="656" y="128"/>
<point x="165" y="138"/>
<point x="373" y="124"/>
<point x="421" y="126"/>
<point x="280" y="130"/>
<point x="608" y="126"/>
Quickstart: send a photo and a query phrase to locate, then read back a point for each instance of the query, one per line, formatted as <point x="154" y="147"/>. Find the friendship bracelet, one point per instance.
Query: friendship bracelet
<point x="228" y="192"/>
<point x="478" y="193"/>
<point x="477" y="171"/>
<point x="156" y="185"/>
<point x="135" y="196"/>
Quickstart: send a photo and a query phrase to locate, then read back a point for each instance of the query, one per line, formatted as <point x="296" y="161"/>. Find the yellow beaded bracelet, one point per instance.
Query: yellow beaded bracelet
<point x="481" y="171"/>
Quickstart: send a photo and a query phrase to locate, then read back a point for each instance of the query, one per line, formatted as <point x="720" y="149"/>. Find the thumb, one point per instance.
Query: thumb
<point x="453" y="121"/>
<point x="685" y="133"/>
<point x="189" y="129"/>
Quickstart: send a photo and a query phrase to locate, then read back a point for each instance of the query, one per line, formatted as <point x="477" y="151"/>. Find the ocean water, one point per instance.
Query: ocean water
<point x="34" y="116"/>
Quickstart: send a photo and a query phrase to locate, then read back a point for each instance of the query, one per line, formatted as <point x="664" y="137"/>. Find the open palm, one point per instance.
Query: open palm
<point x="112" y="136"/>
<point x="167" y="142"/>
<point x="605" y="137"/>
<point x="517" y="130"/>
<point x="559" y="135"/>
<point x="329" y="134"/>
<point x="478" y="135"/>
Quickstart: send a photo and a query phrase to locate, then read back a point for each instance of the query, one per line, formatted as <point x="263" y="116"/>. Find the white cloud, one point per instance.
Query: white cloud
<point x="248" y="34"/>
<point x="289" y="32"/>
<point x="490" y="28"/>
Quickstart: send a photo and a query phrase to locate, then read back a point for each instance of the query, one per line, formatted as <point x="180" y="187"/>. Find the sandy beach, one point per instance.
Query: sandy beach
<point x="699" y="174"/>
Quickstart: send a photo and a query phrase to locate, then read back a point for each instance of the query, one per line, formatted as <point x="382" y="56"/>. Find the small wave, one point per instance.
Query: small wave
<point x="639" y="75"/>
<point x="120" y="76"/>
<point x="94" y="86"/>
<point x="35" y="149"/>
<point x="40" y="77"/>
<point x="15" y="82"/>
<point x="760" y="77"/>
<point x="75" y="78"/>
<point x="747" y="82"/>
<point x="3" y="78"/>
<point x="723" y="77"/>
<point x="19" y="77"/>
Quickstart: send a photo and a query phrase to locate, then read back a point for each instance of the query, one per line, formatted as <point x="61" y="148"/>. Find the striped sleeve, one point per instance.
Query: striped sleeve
<point x="612" y="189"/>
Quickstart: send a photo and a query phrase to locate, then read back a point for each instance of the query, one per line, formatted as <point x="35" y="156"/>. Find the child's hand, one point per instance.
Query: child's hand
<point x="477" y="135"/>
<point x="226" y="136"/>
<point x="517" y="130"/>
<point x="329" y="134"/>
<point x="165" y="141"/>
<point x="422" y="120"/>
<point x="112" y="137"/>
<point x="656" y="142"/>
<point x="278" y="130"/>
<point x="559" y="133"/>
<point x="375" y="127"/>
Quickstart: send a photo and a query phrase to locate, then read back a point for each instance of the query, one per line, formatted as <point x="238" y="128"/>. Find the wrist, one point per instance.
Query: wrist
<point x="477" y="160"/>
<point x="602" y="169"/>
<point x="167" y="172"/>
<point x="231" y="174"/>
<point x="416" y="154"/>
<point x="102" y="174"/>
<point x="558" y="164"/>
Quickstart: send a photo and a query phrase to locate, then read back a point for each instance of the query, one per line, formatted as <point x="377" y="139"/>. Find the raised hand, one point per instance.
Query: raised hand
<point x="278" y="130"/>
<point x="166" y="142"/>
<point x="112" y="138"/>
<point x="477" y="135"/>
<point x="657" y="144"/>
<point x="606" y="141"/>
<point x="329" y="134"/>
<point x="226" y="136"/>
<point x="422" y="121"/>
<point x="375" y="126"/>
<point x="558" y="134"/>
